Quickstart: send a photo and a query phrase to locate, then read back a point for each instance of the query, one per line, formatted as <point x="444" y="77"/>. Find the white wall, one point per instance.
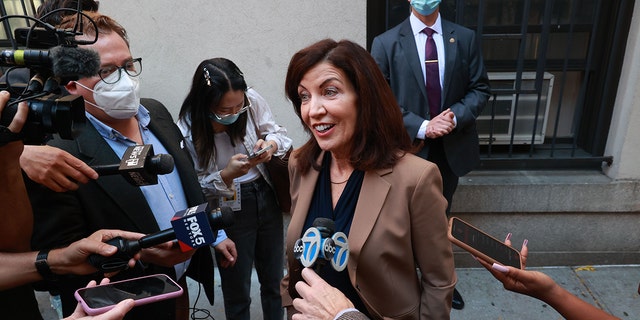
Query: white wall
<point x="623" y="143"/>
<point x="173" y="37"/>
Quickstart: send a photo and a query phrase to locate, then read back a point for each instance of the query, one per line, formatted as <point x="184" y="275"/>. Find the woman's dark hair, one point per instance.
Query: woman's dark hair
<point x="381" y="138"/>
<point x="212" y="79"/>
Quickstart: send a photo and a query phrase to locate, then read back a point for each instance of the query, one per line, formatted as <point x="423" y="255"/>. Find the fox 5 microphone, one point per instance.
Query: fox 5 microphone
<point x="193" y="227"/>
<point x="139" y="166"/>
<point x="318" y="245"/>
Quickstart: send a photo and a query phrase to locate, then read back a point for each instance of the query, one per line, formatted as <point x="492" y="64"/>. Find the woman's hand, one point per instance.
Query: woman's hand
<point x="227" y="249"/>
<point x="118" y="312"/>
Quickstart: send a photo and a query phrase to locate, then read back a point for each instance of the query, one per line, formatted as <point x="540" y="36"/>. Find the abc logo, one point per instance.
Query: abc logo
<point x="328" y="249"/>
<point x="341" y="258"/>
<point x="298" y="249"/>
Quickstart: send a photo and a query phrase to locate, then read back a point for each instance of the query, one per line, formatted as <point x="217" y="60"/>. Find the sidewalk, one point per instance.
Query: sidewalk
<point x="612" y="288"/>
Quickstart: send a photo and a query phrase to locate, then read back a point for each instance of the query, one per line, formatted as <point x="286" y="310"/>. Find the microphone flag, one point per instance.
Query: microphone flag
<point x="192" y="228"/>
<point x="341" y="248"/>
<point x="312" y="246"/>
<point x="132" y="165"/>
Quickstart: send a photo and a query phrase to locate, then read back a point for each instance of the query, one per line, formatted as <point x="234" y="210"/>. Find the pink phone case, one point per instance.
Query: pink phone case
<point x="110" y="292"/>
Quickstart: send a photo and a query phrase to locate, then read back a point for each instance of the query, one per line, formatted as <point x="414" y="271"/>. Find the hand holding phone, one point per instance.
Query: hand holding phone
<point x="259" y="152"/>
<point x="482" y="245"/>
<point x="143" y="290"/>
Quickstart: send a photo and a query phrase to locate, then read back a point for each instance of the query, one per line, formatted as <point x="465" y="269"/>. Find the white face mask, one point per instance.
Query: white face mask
<point x="119" y="100"/>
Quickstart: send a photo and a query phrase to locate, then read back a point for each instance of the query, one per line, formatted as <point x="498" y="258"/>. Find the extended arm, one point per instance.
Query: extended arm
<point x="19" y="268"/>
<point x="16" y="214"/>
<point x="540" y="286"/>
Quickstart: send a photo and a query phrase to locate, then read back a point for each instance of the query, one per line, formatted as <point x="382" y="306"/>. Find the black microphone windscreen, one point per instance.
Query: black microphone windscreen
<point x="326" y="226"/>
<point x="161" y="163"/>
<point x="74" y="62"/>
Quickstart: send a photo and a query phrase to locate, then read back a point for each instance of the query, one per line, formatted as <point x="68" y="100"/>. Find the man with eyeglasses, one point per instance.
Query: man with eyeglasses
<point x="116" y="119"/>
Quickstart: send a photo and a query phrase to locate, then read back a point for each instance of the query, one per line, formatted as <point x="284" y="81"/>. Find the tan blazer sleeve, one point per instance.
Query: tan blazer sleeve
<point x="432" y="248"/>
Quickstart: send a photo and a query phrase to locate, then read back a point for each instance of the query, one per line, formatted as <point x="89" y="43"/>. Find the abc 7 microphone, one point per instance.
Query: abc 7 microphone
<point x="193" y="227"/>
<point x="317" y="246"/>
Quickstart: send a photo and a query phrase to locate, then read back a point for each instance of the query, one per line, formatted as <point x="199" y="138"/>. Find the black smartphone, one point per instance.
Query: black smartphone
<point x="142" y="290"/>
<point x="482" y="245"/>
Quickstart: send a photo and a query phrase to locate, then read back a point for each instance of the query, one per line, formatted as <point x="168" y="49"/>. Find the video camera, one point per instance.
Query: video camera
<point x="38" y="76"/>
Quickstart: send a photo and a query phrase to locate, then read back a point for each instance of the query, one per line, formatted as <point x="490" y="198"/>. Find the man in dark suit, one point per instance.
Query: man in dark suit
<point x="447" y="128"/>
<point x="117" y="119"/>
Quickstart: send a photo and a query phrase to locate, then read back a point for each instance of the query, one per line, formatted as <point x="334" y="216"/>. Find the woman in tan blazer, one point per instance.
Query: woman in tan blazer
<point x="357" y="170"/>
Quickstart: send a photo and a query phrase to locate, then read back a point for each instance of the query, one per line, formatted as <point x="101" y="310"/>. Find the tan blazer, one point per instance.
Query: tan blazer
<point x="399" y="224"/>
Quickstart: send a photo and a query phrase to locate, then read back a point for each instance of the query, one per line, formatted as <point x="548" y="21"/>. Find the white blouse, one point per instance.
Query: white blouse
<point x="210" y="180"/>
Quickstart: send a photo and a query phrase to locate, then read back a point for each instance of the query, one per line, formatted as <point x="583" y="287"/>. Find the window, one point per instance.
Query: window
<point x="554" y="67"/>
<point x="15" y="7"/>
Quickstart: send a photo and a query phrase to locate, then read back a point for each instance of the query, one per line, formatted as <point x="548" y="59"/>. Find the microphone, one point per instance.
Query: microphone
<point x="139" y="166"/>
<point x="193" y="228"/>
<point x="317" y="246"/>
<point x="72" y="63"/>
<point x="66" y="63"/>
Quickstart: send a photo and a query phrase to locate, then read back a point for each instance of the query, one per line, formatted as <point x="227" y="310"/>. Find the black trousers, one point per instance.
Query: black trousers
<point x="449" y="179"/>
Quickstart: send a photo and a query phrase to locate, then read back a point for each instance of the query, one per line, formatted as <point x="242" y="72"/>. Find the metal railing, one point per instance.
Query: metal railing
<point x="578" y="43"/>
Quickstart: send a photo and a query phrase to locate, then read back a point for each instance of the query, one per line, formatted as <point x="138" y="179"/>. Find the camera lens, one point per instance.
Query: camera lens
<point x="50" y="114"/>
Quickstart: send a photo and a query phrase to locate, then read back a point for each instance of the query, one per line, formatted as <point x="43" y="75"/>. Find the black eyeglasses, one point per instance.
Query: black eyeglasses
<point x="132" y="67"/>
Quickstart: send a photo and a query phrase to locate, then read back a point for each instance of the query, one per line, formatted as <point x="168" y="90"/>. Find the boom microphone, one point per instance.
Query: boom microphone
<point x="318" y="245"/>
<point x="139" y="166"/>
<point x="193" y="228"/>
<point x="72" y="63"/>
<point x="67" y="63"/>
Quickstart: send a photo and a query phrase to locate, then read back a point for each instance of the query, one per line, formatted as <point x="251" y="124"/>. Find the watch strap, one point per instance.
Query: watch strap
<point x="42" y="266"/>
<point x="7" y="135"/>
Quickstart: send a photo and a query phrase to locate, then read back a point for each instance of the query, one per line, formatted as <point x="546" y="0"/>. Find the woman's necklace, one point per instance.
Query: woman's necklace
<point x="341" y="182"/>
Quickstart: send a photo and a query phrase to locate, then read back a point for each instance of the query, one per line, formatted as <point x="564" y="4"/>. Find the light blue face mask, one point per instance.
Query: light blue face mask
<point x="228" y="120"/>
<point x="425" y="7"/>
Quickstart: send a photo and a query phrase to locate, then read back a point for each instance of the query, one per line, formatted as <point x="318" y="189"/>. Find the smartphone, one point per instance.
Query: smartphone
<point x="142" y="290"/>
<point x="482" y="245"/>
<point x="259" y="152"/>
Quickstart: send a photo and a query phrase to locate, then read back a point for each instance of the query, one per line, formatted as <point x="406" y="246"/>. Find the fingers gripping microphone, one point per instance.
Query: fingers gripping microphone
<point x="193" y="228"/>
<point x="139" y="166"/>
<point x="317" y="246"/>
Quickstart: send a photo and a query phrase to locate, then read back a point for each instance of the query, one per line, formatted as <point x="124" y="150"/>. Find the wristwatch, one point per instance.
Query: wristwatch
<point x="7" y="135"/>
<point x="43" y="266"/>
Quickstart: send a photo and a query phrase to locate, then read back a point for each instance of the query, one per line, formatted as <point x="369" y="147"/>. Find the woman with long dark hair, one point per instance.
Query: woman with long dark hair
<point x="224" y="122"/>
